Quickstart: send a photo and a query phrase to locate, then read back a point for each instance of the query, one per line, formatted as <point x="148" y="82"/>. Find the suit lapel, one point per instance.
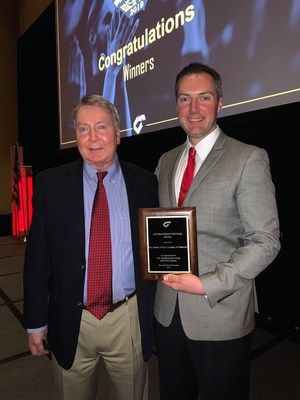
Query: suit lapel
<point x="74" y="190"/>
<point x="212" y="158"/>
<point x="131" y="186"/>
<point x="172" y="171"/>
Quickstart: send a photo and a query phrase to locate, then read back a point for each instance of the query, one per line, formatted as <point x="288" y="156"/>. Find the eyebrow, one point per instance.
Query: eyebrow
<point x="197" y="94"/>
<point x="94" y="123"/>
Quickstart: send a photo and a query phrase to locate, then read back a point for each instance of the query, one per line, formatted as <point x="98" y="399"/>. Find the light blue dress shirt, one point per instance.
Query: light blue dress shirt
<point x="122" y="257"/>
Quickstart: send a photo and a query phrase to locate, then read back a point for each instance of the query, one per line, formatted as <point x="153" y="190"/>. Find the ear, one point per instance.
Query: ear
<point x="220" y="104"/>
<point x="118" y="133"/>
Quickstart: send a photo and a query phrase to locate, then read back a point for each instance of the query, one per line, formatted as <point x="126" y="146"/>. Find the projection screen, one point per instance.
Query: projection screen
<point x="130" y="51"/>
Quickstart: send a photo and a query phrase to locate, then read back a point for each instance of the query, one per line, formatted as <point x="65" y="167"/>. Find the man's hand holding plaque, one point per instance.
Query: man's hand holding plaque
<point x="187" y="283"/>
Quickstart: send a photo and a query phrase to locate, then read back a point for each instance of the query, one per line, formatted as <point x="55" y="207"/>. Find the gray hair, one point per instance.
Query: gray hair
<point x="101" y="102"/>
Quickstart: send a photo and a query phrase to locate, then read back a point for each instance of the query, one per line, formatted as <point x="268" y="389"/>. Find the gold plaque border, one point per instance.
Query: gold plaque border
<point x="186" y="212"/>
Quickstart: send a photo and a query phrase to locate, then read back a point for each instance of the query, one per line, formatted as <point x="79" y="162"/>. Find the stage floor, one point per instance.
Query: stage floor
<point x="275" y="364"/>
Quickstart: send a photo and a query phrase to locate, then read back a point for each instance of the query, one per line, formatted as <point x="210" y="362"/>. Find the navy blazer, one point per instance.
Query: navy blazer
<point x="54" y="268"/>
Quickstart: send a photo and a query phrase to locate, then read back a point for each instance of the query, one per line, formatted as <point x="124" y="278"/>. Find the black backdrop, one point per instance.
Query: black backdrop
<point x="276" y="129"/>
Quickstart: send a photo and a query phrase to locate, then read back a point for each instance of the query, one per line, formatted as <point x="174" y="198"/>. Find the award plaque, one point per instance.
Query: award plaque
<point x="168" y="241"/>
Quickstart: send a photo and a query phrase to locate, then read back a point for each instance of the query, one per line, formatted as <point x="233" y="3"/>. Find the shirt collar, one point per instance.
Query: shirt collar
<point x="90" y="172"/>
<point x="206" y="144"/>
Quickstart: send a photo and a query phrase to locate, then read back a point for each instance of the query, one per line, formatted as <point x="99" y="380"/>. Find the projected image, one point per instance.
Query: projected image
<point x="130" y="51"/>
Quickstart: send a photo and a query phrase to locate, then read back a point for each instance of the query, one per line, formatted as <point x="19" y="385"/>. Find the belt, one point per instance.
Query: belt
<point x="118" y="304"/>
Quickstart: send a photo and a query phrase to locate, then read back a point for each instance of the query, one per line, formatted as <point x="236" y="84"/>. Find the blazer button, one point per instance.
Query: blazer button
<point x="82" y="266"/>
<point x="79" y="304"/>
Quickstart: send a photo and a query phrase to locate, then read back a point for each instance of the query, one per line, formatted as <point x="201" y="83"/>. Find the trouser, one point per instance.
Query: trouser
<point x="215" y="370"/>
<point x="116" y="339"/>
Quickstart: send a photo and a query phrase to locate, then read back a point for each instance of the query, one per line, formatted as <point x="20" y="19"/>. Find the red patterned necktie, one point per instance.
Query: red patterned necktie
<point x="99" y="288"/>
<point x="188" y="176"/>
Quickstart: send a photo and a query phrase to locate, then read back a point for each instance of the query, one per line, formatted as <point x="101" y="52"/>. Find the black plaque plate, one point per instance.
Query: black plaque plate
<point x="168" y="241"/>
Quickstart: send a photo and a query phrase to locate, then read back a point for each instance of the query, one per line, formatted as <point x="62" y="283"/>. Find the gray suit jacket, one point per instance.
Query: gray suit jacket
<point x="237" y="237"/>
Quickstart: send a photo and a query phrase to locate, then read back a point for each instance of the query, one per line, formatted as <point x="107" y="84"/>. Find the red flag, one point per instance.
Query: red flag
<point x="16" y="179"/>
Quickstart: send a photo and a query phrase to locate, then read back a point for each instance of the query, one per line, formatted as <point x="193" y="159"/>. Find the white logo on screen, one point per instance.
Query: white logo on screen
<point x="138" y="123"/>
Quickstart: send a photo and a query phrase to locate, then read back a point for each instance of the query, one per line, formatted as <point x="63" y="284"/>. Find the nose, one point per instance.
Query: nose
<point x="194" y="104"/>
<point x="93" y="135"/>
